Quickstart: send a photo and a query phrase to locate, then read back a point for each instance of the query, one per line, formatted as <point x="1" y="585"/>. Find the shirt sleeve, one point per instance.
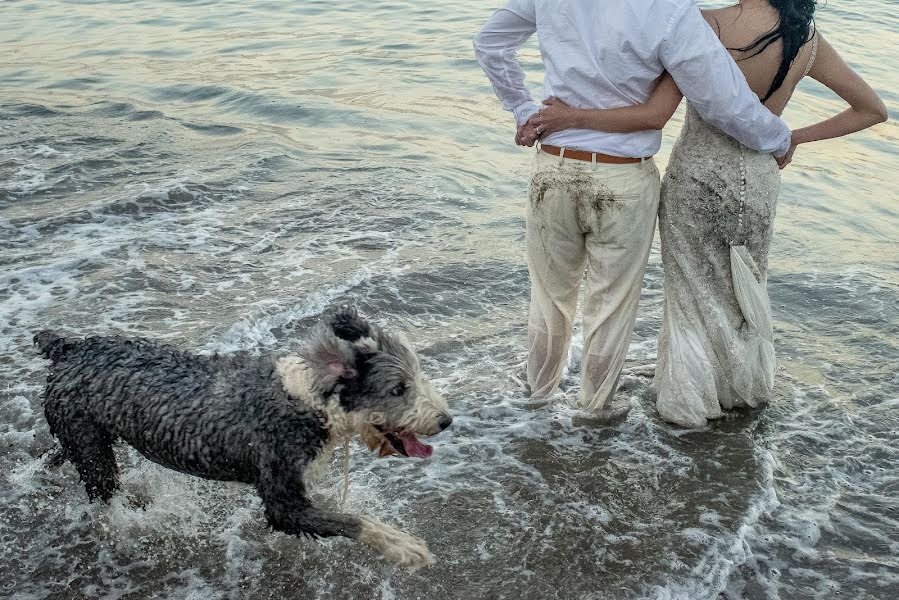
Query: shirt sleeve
<point x="710" y="79"/>
<point x="495" y="47"/>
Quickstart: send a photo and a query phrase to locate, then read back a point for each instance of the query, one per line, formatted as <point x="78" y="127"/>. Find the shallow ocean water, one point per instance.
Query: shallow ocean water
<point x="215" y="174"/>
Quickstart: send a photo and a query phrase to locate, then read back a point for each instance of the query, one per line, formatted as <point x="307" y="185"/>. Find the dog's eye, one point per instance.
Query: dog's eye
<point x="399" y="389"/>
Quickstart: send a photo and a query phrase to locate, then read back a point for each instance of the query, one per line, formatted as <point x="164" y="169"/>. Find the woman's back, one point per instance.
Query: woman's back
<point x="758" y="34"/>
<point x="739" y="27"/>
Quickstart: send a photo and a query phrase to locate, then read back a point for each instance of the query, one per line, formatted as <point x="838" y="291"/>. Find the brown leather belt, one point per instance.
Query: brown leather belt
<point x="588" y="156"/>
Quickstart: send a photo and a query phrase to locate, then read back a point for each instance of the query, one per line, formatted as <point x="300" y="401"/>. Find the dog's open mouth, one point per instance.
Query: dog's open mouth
<point x="387" y="442"/>
<point x="404" y="443"/>
<point x="408" y="445"/>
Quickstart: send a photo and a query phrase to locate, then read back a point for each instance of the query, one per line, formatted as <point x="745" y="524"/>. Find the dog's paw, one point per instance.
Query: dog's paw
<point x="396" y="546"/>
<point x="409" y="551"/>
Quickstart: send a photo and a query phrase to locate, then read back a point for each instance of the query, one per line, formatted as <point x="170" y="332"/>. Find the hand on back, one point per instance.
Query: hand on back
<point x="556" y="116"/>
<point x="527" y="134"/>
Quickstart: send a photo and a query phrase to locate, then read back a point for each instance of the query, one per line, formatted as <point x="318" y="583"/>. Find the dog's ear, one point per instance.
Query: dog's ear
<point x="330" y="357"/>
<point x="346" y="324"/>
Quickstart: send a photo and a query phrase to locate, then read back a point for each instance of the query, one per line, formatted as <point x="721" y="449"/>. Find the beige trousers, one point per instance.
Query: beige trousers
<point x="599" y="218"/>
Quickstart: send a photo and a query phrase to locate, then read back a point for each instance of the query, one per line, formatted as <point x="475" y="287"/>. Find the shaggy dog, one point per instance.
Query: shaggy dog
<point x="262" y="420"/>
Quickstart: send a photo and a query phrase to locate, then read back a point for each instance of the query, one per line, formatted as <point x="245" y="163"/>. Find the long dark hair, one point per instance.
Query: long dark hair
<point x="794" y="29"/>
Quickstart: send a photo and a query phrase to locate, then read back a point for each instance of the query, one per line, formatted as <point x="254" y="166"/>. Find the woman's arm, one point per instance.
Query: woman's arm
<point x="653" y="114"/>
<point x="865" y="106"/>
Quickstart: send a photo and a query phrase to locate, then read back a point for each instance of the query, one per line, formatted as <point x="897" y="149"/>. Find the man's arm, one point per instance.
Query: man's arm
<point x="495" y="47"/>
<point x="709" y="78"/>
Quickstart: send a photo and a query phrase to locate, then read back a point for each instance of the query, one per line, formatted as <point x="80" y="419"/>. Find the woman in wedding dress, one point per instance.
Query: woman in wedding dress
<point x="717" y="206"/>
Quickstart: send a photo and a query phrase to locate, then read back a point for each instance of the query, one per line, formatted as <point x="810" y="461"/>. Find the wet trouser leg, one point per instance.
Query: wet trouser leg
<point x="599" y="218"/>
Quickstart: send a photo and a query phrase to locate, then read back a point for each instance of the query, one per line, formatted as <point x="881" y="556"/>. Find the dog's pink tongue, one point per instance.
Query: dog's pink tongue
<point x="415" y="448"/>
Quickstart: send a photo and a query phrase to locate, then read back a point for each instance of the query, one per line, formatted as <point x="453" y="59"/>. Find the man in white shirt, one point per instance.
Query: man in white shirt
<point x="593" y="195"/>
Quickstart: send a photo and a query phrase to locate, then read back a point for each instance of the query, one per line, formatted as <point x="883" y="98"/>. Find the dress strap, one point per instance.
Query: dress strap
<point x="811" y="58"/>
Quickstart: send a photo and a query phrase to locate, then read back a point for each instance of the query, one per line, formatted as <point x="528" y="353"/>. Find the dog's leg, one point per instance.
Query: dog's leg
<point x="289" y="510"/>
<point x="89" y="448"/>
<point x="395" y="545"/>
<point x="96" y="464"/>
<point x="304" y="519"/>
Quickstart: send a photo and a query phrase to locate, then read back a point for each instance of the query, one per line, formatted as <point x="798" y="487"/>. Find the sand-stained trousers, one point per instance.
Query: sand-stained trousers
<point x="594" y="217"/>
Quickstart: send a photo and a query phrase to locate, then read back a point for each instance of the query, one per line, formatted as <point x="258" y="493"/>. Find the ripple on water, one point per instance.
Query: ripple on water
<point x="234" y="178"/>
<point x="213" y="129"/>
<point x="185" y="92"/>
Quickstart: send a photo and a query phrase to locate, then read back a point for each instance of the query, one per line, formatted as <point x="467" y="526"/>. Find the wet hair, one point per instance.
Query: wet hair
<point x="794" y="28"/>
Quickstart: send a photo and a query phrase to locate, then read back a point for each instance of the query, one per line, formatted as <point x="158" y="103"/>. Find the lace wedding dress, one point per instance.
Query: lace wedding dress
<point x="716" y="218"/>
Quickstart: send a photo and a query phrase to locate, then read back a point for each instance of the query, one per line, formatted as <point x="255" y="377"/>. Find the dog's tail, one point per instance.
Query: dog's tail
<point x="51" y="345"/>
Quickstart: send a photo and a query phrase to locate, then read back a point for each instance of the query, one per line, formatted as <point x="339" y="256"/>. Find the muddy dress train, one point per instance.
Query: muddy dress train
<point x="716" y="219"/>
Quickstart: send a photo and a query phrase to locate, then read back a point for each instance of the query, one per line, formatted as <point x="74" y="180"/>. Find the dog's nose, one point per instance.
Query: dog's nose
<point x="444" y="422"/>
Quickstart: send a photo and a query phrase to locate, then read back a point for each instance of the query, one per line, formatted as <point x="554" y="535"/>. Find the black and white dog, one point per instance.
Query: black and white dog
<point x="263" y="420"/>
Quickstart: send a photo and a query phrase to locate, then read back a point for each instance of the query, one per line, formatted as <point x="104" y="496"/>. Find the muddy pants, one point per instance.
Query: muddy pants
<point x="595" y="217"/>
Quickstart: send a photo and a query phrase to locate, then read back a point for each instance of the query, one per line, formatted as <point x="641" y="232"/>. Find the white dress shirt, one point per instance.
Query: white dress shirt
<point x="609" y="54"/>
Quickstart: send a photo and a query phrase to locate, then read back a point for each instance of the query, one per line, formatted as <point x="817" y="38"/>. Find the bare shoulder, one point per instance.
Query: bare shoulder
<point x="827" y="61"/>
<point x="830" y="69"/>
<point x="711" y="16"/>
<point x="712" y="13"/>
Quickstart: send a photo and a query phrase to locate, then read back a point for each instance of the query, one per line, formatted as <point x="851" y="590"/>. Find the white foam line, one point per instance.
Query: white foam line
<point x="713" y="570"/>
<point x="44" y="151"/>
<point x="27" y="179"/>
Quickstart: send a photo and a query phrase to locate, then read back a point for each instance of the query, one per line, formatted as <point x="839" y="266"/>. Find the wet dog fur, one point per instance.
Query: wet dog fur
<point x="268" y="421"/>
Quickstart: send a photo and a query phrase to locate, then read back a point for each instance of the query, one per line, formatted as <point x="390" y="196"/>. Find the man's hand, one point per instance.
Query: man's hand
<point x="527" y="133"/>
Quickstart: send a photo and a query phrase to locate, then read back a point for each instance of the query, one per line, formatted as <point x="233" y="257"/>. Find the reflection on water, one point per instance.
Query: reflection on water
<point x="215" y="174"/>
